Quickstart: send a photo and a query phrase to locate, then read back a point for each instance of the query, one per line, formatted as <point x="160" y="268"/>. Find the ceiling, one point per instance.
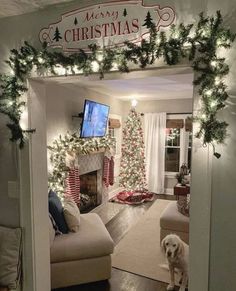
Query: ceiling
<point x="141" y="85"/>
<point x="17" y="7"/>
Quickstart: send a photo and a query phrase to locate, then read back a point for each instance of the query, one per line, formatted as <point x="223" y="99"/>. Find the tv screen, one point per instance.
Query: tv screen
<point x="94" y="119"/>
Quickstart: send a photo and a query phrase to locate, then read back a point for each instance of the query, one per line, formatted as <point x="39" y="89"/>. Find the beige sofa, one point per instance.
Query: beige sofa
<point x="81" y="257"/>
<point x="172" y="221"/>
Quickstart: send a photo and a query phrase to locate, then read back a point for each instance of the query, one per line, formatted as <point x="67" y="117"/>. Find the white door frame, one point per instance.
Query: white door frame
<point x="34" y="188"/>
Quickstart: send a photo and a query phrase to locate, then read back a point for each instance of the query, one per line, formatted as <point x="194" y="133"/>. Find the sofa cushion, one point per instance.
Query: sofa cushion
<point x="10" y="256"/>
<point x="172" y="219"/>
<point x="51" y="231"/>
<point x="92" y="240"/>
<point x="56" y="210"/>
<point x="72" y="214"/>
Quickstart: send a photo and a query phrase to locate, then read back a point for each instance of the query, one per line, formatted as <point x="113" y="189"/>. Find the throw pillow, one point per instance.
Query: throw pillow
<point x="183" y="204"/>
<point x="10" y="257"/>
<point x="72" y="214"/>
<point x="56" y="210"/>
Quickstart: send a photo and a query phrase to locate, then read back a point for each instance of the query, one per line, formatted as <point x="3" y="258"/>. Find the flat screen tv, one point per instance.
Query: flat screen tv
<point x="95" y="118"/>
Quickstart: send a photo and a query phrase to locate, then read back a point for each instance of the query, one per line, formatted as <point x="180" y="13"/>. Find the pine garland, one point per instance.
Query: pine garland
<point x="71" y="143"/>
<point x="198" y="43"/>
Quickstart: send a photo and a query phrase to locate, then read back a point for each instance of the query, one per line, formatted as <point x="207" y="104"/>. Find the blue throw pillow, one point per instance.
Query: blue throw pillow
<point x="56" y="210"/>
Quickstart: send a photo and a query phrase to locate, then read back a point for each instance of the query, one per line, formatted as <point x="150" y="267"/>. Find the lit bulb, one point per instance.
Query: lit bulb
<point x="100" y="57"/>
<point x="134" y="102"/>
<point x="213" y="63"/>
<point x="217" y="80"/>
<point x="23" y="62"/>
<point x="95" y="66"/>
<point x="40" y="60"/>
<point x="208" y="92"/>
<point x="12" y="72"/>
<point x="213" y="103"/>
<point x="30" y="58"/>
<point x="10" y="103"/>
<point x="59" y="70"/>
<point x="114" y="67"/>
<point x="77" y="71"/>
<point x="203" y="116"/>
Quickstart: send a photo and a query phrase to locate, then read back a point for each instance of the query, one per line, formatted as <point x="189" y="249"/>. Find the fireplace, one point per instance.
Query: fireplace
<point x="89" y="191"/>
<point x="90" y="168"/>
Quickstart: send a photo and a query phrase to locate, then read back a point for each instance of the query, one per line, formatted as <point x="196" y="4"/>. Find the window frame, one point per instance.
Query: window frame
<point x="183" y="156"/>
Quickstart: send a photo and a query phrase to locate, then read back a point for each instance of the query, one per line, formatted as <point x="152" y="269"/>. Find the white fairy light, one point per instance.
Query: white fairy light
<point x="95" y="66"/>
<point x="10" y="103"/>
<point x="30" y="58"/>
<point x="40" y="60"/>
<point x="213" y="63"/>
<point x="217" y="81"/>
<point x="12" y="72"/>
<point x="209" y="92"/>
<point x="213" y="103"/>
<point x="134" y="102"/>
<point x="60" y="70"/>
<point x="114" y="66"/>
<point x="100" y="57"/>
<point x="77" y="71"/>
<point x="203" y="116"/>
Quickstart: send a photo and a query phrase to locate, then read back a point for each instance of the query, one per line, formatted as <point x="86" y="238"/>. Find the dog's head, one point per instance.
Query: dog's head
<point x="172" y="246"/>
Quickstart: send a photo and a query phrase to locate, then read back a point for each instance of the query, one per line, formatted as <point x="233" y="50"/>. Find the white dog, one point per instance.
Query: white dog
<point x="176" y="252"/>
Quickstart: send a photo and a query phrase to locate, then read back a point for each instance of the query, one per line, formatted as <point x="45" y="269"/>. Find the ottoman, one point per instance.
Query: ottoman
<point x="172" y="221"/>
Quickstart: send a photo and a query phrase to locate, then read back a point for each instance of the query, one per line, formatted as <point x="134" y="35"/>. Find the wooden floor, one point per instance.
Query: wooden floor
<point x="118" y="225"/>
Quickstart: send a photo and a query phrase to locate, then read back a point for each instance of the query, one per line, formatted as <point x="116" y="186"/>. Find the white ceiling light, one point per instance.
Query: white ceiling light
<point x="134" y="102"/>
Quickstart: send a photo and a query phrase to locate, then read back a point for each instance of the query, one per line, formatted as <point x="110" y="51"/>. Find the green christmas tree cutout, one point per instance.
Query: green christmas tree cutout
<point x="148" y="21"/>
<point x="57" y="35"/>
<point x="75" y="21"/>
<point x="125" y="12"/>
<point x="132" y="167"/>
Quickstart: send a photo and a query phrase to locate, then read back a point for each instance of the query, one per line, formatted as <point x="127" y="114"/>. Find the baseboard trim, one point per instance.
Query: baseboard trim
<point x="114" y="192"/>
<point x="169" y="191"/>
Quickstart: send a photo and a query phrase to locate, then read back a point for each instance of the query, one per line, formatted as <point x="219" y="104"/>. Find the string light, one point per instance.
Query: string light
<point x="40" y="60"/>
<point x="213" y="63"/>
<point x="203" y="33"/>
<point x="213" y="103"/>
<point x="95" y="66"/>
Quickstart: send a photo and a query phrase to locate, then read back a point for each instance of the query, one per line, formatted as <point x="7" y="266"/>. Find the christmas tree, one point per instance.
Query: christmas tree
<point x="132" y="167"/>
<point x="57" y="35"/>
<point x="125" y="12"/>
<point x="148" y="22"/>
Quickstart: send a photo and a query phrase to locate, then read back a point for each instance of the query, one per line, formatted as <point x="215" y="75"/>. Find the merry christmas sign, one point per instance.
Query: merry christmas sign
<point x="106" y="24"/>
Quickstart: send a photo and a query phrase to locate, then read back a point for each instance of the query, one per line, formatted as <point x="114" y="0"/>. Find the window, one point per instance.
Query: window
<point x="172" y="150"/>
<point x="178" y="145"/>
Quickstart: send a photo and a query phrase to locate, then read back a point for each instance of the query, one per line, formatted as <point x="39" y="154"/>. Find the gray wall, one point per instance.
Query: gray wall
<point x="69" y="100"/>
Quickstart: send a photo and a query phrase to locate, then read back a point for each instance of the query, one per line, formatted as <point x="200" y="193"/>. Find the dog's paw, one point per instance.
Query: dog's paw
<point x="182" y="289"/>
<point x="170" y="287"/>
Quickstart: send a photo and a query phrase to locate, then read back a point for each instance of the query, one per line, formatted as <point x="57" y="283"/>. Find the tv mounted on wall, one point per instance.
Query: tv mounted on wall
<point x="95" y="119"/>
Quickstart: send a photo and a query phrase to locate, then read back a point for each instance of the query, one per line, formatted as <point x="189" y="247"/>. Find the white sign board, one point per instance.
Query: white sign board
<point x="106" y="24"/>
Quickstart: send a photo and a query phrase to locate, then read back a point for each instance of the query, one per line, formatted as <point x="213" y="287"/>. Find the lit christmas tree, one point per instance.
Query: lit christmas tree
<point x="132" y="168"/>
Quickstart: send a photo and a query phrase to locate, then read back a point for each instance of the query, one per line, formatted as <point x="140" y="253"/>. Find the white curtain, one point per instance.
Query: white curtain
<point x="154" y="139"/>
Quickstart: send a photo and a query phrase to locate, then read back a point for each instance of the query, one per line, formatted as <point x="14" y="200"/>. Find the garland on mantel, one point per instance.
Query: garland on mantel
<point x="198" y="42"/>
<point x="72" y="144"/>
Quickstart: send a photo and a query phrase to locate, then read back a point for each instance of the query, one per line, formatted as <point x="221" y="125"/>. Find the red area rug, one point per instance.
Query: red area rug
<point x="132" y="197"/>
